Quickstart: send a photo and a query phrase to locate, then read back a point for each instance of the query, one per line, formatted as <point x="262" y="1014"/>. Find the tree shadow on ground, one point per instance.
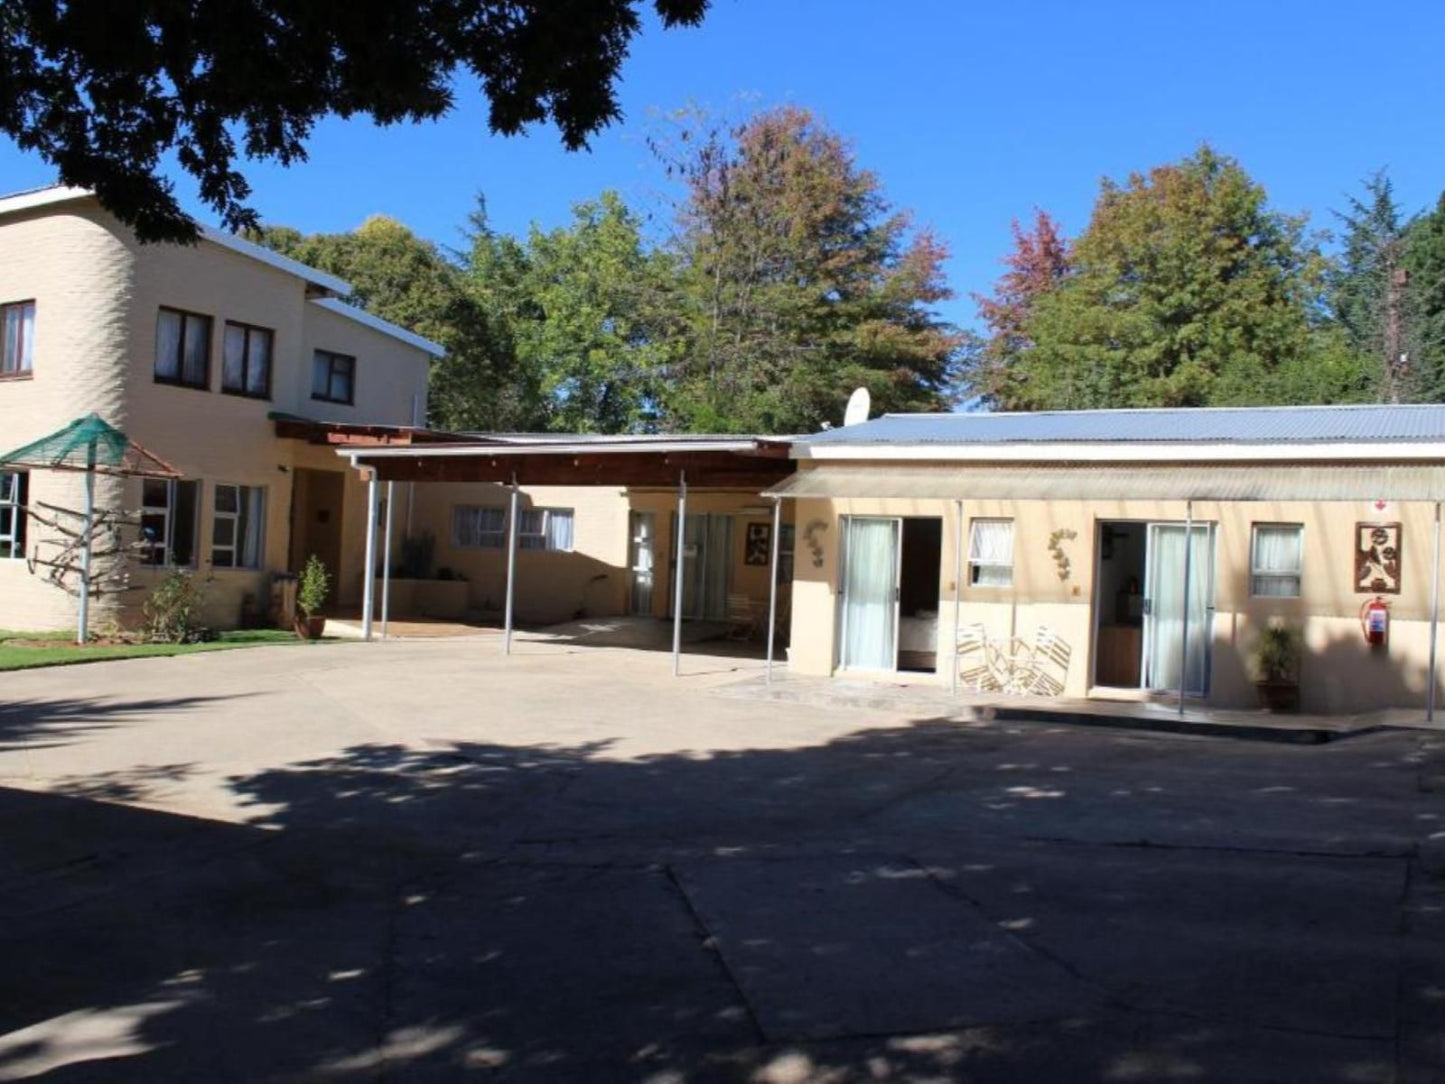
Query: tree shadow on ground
<point x="47" y="722"/>
<point x="925" y="900"/>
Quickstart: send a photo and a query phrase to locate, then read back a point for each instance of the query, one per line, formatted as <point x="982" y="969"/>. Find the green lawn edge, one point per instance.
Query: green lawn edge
<point x="32" y="658"/>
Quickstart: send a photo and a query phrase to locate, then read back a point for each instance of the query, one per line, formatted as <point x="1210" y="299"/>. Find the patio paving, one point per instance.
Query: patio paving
<point x="423" y="860"/>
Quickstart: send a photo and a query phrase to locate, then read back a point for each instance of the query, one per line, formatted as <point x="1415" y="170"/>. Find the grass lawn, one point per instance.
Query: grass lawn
<point x="57" y="648"/>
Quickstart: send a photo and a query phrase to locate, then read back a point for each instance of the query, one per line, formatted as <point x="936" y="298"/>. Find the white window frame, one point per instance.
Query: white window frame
<point x="168" y="535"/>
<point x="11" y="498"/>
<point x="1256" y="572"/>
<point x="976" y="565"/>
<point x="476" y="536"/>
<point x="538" y="540"/>
<point x="236" y="545"/>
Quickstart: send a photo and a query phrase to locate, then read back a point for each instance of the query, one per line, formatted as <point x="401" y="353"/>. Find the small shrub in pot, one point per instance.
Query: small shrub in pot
<point x="311" y="591"/>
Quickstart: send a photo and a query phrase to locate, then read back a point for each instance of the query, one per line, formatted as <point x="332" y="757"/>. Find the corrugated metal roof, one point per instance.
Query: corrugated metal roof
<point x="1078" y="482"/>
<point x="1244" y="425"/>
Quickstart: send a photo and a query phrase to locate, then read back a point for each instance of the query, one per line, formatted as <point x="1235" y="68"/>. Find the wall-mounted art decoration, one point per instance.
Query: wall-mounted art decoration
<point x="1056" y="547"/>
<point x="1377" y="558"/>
<point x="813" y="536"/>
<point x="759" y="544"/>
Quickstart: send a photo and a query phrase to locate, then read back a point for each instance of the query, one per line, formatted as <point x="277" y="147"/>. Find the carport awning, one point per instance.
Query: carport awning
<point x="1094" y="481"/>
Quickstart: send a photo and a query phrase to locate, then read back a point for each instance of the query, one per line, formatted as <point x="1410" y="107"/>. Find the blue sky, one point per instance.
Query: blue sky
<point x="970" y="113"/>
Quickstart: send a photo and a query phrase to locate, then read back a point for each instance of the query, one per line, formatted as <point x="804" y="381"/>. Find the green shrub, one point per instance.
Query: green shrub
<point x="314" y="584"/>
<point x="171" y="611"/>
<point x="1277" y="653"/>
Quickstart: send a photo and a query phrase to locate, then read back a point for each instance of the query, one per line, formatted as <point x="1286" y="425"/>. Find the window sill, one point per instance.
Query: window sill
<point x="247" y="395"/>
<point x="206" y="387"/>
<point x="333" y="402"/>
<point x="30" y="375"/>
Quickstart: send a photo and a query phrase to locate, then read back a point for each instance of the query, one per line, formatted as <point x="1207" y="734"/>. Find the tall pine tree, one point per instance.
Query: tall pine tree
<point x="1369" y="292"/>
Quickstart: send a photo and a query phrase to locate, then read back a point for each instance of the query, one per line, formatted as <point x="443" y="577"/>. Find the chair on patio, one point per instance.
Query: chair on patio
<point x="1047" y="665"/>
<point x="742" y="618"/>
<point x="972" y="656"/>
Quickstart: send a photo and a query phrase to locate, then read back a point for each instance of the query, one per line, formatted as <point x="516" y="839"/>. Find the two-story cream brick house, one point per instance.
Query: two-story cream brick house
<point x="199" y="353"/>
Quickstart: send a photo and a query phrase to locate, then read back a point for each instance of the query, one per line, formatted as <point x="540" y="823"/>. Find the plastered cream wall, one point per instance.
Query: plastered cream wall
<point x="594" y="579"/>
<point x="97" y="295"/>
<point x="1340" y="673"/>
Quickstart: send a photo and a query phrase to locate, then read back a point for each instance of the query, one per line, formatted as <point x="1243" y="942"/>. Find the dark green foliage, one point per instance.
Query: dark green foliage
<point x="106" y="91"/>
<point x="1425" y="263"/>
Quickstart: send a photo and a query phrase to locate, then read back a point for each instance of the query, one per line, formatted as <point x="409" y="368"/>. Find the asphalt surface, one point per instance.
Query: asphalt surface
<point x="420" y="861"/>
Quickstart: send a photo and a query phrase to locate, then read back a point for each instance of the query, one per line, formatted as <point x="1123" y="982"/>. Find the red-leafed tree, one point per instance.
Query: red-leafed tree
<point x="1038" y="263"/>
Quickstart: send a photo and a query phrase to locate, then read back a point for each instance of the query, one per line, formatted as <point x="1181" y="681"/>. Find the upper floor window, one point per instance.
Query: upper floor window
<point x="168" y="522"/>
<point x="17" y="338"/>
<point x="545" y="529"/>
<point x="477" y="527"/>
<point x="13" y="485"/>
<point x="991" y="552"/>
<point x="246" y="361"/>
<point x="183" y="348"/>
<point x="1276" y="560"/>
<point x="333" y="377"/>
<point x="238" y="526"/>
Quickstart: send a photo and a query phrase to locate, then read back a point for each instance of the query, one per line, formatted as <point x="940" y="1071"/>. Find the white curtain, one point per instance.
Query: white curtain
<point x="559" y="529"/>
<point x="870" y="579"/>
<point x="1166" y="616"/>
<point x="253" y="525"/>
<point x="168" y="345"/>
<point x="233" y="359"/>
<point x="1276" y="561"/>
<point x="991" y="551"/>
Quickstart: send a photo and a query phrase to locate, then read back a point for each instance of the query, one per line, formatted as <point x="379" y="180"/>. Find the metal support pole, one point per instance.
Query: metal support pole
<point x="677" y="578"/>
<point x="773" y="586"/>
<point x="1434" y="620"/>
<point x="513" y="514"/>
<point x="368" y="583"/>
<point x="84" y="623"/>
<point x="957" y="581"/>
<point x="386" y="563"/>
<point x="1184" y="636"/>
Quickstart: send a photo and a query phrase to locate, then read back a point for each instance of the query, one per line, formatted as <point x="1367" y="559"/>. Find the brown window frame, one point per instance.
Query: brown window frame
<point x="332" y="357"/>
<point x="180" y="380"/>
<point x="5" y="307"/>
<point x="245" y="355"/>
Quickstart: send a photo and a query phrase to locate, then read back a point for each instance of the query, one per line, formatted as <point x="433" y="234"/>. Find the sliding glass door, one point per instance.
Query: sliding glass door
<point x="868" y="633"/>
<point x="1165" y="644"/>
<point x="707" y="540"/>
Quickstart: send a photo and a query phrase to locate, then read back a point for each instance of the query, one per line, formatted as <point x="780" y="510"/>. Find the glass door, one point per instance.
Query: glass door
<point x="706" y="551"/>
<point x="1164" y="621"/>
<point x="639" y="560"/>
<point x="872" y="551"/>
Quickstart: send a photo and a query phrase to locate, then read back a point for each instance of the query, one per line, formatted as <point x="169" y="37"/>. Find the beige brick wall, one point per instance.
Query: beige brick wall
<point x="97" y="294"/>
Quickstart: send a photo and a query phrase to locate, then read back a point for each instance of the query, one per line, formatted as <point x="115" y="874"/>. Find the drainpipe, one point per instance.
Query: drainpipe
<point x="368" y="582"/>
<point x="386" y="563"/>
<point x="773" y="586"/>
<point x="957" y="580"/>
<point x="677" y="578"/>
<point x="1184" y="637"/>
<point x="1434" y="620"/>
<point x="511" y="566"/>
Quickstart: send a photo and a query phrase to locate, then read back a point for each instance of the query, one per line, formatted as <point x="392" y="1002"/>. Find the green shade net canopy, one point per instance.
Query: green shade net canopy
<point x="89" y="444"/>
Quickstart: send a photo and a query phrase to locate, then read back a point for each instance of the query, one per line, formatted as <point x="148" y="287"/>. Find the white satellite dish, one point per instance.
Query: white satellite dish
<point x="858" y="405"/>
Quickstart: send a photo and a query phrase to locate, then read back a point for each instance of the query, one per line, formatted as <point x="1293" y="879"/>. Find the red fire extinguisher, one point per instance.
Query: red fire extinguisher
<point x="1375" y="621"/>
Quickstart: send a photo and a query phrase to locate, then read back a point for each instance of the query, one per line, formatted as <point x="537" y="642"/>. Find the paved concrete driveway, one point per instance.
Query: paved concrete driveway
<point x="421" y="860"/>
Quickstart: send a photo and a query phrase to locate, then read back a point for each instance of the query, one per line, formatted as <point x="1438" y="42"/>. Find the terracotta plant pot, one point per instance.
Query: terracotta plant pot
<point x="310" y="627"/>
<point x="1278" y="696"/>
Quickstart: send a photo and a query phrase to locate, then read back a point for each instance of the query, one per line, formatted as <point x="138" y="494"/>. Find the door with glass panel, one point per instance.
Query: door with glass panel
<point x="639" y="560"/>
<point x="868" y="627"/>
<point x="1166" y="647"/>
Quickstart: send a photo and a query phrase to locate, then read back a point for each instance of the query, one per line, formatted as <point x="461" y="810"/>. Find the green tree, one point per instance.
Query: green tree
<point x="414" y="284"/>
<point x="105" y="91"/>
<point x="1424" y="261"/>
<point x="1186" y="290"/>
<point x="798" y="283"/>
<point x="586" y="312"/>
<point x="1038" y="265"/>
<point x="1369" y="293"/>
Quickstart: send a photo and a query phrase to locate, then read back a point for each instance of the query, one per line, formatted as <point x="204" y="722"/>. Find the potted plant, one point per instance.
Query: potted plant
<point x="311" y="591"/>
<point x="1276" y="663"/>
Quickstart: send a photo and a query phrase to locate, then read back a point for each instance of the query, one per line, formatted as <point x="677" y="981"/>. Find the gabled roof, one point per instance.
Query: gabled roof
<point x="59" y="194"/>
<point x="376" y="323"/>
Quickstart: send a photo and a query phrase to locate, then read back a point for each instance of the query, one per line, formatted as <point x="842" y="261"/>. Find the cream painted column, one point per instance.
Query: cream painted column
<point x="677" y="577"/>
